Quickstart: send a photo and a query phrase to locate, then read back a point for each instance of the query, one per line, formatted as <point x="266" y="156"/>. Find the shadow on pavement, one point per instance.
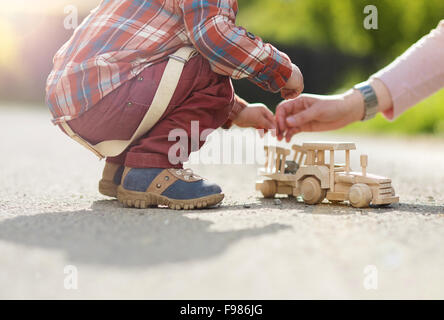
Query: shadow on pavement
<point x="108" y="235"/>
<point x="339" y="209"/>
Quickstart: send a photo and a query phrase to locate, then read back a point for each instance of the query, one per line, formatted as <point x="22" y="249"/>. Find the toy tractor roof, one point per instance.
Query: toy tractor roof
<point x="324" y="145"/>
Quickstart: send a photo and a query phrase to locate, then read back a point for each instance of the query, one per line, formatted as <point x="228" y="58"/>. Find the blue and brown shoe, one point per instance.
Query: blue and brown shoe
<point x="111" y="177"/>
<point x="175" y="188"/>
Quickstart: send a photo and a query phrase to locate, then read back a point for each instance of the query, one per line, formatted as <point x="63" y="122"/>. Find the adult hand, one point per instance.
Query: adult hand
<point x="318" y="113"/>
<point x="295" y="84"/>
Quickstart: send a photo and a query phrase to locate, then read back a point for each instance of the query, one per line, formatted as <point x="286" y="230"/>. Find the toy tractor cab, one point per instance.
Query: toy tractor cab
<point x="312" y="178"/>
<point x="280" y="171"/>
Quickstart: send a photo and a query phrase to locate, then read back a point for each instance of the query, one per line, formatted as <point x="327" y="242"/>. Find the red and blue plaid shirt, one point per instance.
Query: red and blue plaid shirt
<point x="122" y="37"/>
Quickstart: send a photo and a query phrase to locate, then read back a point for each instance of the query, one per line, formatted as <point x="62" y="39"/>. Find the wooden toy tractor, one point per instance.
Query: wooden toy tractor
<point x="309" y="176"/>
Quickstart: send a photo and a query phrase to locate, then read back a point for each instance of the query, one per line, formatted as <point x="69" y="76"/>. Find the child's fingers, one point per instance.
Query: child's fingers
<point x="271" y="120"/>
<point x="266" y="122"/>
<point x="284" y="93"/>
<point x="266" y="119"/>
<point x="294" y="95"/>
<point x="290" y="94"/>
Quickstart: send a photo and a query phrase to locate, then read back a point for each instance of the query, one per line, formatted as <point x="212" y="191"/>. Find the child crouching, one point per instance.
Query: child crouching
<point x="106" y="77"/>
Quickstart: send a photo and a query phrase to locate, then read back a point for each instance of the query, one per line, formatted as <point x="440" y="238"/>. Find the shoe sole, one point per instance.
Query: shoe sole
<point x="108" y="188"/>
<point x="143" y="200"/>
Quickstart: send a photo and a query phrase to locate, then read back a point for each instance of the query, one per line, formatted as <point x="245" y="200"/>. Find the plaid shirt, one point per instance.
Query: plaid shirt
<point x="122" y="37"/>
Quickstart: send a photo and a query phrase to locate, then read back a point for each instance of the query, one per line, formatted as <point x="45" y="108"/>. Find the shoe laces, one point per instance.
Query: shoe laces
<point x="187" y="174"/>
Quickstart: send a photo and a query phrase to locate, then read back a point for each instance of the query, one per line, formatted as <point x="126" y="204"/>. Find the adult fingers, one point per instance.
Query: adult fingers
<point x="315" y="126"/>
<point x="281" y="115"/>
<point x="262" y="132"/>
<point x="304" y="117"/>
<point x="290" y="133"/>
<point x="288" y="108"/>
<point x="323" y="126"/>
<point x="308" y="127"/>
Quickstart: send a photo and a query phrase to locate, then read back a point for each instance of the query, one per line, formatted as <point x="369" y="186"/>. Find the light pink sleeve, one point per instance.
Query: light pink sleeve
<point x="416" y="74"/>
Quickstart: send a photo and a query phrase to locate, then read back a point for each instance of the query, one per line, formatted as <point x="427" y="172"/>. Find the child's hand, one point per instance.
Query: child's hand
<point x="257" y="116"/>
<point x="294" y="86"/>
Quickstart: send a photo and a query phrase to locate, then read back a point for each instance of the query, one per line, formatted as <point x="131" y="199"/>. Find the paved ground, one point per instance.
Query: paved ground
<point x="51" y="217"/>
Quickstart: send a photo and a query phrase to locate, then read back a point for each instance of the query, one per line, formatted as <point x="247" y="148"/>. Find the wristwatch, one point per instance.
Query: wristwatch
<point x="370" y="100"/>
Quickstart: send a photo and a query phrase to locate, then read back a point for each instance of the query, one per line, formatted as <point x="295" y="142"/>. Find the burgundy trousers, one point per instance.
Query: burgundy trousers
<point x="201" y="95"/>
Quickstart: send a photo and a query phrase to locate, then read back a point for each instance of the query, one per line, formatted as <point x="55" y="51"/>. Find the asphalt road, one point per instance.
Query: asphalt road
<point x="55" y="228"/>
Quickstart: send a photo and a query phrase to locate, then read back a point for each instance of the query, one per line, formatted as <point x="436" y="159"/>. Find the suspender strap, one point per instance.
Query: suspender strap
<point x="161" y="100"/>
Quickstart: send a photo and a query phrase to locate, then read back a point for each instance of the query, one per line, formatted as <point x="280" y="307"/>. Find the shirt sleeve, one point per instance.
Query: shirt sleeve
<point x="231" y="50"/>
<point x="416" y="74"/>
<point x="239" y="105"/>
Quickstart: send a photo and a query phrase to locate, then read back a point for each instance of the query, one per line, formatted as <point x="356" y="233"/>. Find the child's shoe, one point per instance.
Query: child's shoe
<point x="111" y="177"/>
<point x="175" y="188"/>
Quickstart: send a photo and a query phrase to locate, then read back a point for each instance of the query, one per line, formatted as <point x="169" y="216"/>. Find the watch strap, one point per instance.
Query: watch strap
<point x="370" y="100"/>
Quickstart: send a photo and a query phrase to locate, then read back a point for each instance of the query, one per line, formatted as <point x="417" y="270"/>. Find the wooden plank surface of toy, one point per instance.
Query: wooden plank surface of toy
<point x="300" y="154"/>
<point x="278" y="171"/>
<point x="275" y="158"/>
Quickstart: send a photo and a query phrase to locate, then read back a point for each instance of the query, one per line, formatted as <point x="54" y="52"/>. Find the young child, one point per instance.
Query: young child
<point x="105" y="77"/>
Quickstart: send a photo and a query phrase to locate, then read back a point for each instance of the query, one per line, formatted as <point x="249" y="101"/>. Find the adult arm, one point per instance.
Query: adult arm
<point x="412" y="77"/>
<point x="415" y="75"/>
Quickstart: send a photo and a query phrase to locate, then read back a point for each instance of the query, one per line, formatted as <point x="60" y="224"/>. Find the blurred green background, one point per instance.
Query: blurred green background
<point x="325" y="38"/>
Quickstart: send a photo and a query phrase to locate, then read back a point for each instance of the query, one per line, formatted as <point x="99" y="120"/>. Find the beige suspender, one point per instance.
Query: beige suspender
<point x="161" y="100"/>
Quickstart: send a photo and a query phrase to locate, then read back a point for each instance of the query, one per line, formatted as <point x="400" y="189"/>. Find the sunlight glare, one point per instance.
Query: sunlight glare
<point x="9" y="46"/>
<point x="8" y="7"/>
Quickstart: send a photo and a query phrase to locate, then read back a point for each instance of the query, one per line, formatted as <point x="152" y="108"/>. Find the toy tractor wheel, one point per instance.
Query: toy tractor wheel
<point x="311" y="190"/>
<point x="269" y="188"/>
<point x="360" y="195"/>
